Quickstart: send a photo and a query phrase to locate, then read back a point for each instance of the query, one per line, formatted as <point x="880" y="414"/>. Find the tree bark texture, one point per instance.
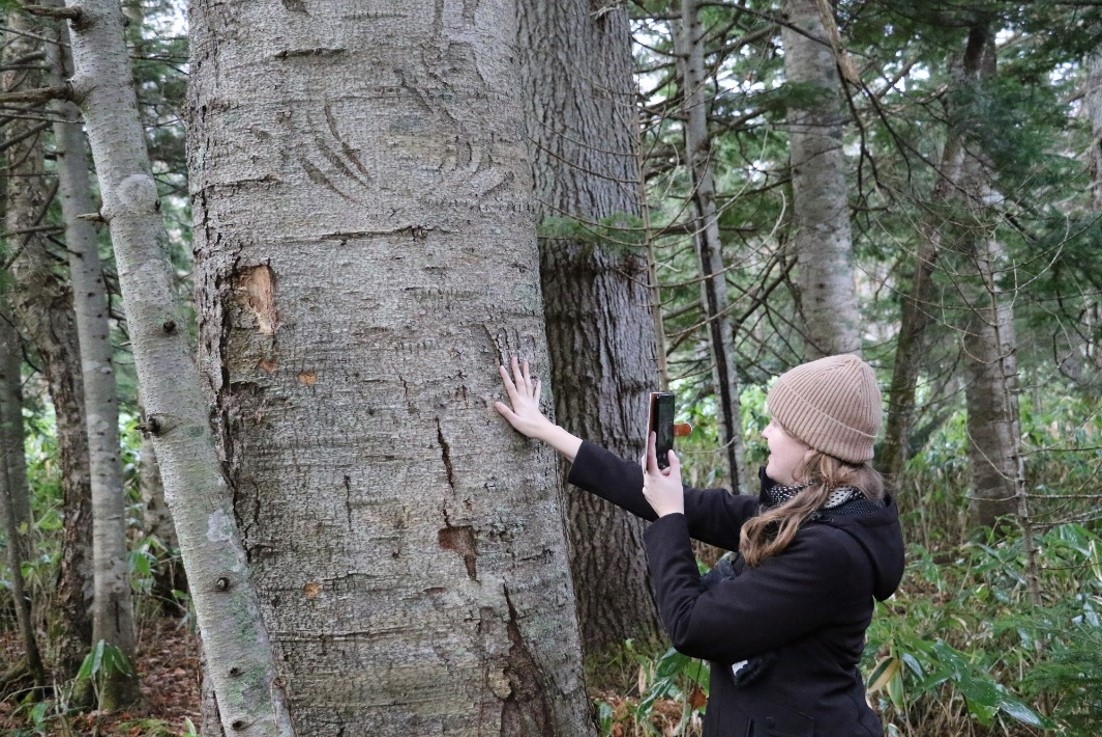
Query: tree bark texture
<point x="367" y="257"/>
<point x="112" y="614"/>
<point x="689" y="43"/>
<point x="236" y="642"/>
<point x="822" y="241"/>
<point x="579" y="111"/>
<point x="42" y="304"/>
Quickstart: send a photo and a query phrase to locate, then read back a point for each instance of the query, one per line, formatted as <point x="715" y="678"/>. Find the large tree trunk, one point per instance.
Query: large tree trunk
<point x="14" y="493"/>
<point x="234" y="637"/>
<point x="689" y="47"/>
<point x="367" y="257"/>
<point x="820" y="205"/>
<point x="42" y="304"/>
<point x="112" y="616"/>
<point x="579" y="96"/>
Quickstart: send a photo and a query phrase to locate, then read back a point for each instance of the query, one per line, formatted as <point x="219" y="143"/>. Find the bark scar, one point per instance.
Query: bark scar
<point x="461" y="540"/>
<point x="254" y="288"/>
<point x="446" y="452"/>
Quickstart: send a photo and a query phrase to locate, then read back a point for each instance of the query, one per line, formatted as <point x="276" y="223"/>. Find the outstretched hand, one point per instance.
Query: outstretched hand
<point x="523" y="411"/>
<point x="662" y="486"/>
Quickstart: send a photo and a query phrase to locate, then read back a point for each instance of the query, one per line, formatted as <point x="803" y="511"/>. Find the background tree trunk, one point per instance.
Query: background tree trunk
<point x="112" y="617"/>
<point x="988" y="340"/>
<point x="579" y="97"/>
<point x="367" y="258"/>
<point x="918" y="306"/>
<point x="234" y="636"/>
<point x="168" y="575"/>
<point x="42" y="304"/>
<point x="689" y="48"/>
<point x="14" y="494"/>
<point x="820" y="204"/>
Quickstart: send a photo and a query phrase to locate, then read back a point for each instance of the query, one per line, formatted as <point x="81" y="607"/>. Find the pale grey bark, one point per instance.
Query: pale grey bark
<point x="822" y="240"/>
<point x="14" y="491"/>
<point x="234" y="635"/>
<point x="168" y="575"/>
<point x="1083" y="362"/>
<point x="1092" y="106"/>
<point x="689" y="47"/>
<point x="112" y="614"/>
<point x="994" y="427"/>
<point x="579" y="110"/>
<point x="367" y="257"/>
<point x="988" y="340"/>
<point x="42" y="304"/>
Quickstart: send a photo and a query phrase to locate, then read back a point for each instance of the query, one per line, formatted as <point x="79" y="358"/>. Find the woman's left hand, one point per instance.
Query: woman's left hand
<point x="662" y="486"/>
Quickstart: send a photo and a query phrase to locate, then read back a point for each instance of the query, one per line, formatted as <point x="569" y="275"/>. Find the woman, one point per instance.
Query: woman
<point x="784" y="624"/>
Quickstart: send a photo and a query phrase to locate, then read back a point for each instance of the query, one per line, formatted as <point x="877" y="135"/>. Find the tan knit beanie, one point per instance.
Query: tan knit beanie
<point x="832" y="404"/>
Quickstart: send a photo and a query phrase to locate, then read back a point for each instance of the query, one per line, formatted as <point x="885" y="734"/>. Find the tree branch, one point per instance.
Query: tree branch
<point x="40" y="95"/>
<point x="63" y="13"/>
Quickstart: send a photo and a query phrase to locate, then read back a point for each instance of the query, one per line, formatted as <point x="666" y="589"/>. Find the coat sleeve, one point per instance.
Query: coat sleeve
<point x="778" y="602"/>
<point x="713" y="516"/>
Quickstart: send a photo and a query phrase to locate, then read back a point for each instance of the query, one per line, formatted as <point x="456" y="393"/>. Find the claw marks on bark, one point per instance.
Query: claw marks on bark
<point x="343" y="164"/>
<point x="468" y="15"/>
<point x="509" y="343"/>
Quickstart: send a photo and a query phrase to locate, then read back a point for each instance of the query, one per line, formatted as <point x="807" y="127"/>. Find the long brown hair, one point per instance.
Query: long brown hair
<point x="772" y="531"/>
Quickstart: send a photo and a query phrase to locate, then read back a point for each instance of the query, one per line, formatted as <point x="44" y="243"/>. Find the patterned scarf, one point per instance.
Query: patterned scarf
<point x="778" y="494"/>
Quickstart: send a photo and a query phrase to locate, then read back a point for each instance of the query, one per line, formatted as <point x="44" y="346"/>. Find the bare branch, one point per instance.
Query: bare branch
<point x="38" y="96"/>
<point x="63" y="13"/>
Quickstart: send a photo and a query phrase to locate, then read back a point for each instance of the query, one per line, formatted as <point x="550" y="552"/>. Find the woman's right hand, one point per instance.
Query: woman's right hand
<point x="523" y="411"/>
<point x="524" y="397"/>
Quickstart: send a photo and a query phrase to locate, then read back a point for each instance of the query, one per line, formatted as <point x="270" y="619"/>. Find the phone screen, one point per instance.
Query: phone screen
<point x="661" y="424"/>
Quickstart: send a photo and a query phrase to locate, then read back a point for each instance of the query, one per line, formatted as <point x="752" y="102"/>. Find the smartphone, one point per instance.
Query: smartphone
<point x="661" y="424"/>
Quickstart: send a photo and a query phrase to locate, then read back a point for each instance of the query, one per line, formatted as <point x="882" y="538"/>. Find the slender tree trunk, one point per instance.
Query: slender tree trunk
<point x="994" y="427"/>
<point x="579" y="96"/>
<point x="1087" y="359"/>
<point x="234" y="636"/>
<point x="14" y="493"/>
<point x="822" y="241"/>
<point x="42" y="304"/>
<point x="919" y="305"/>
<point x="689" y="45"/>
<point x="1092" y="103"/>
<point x="112" y="620"/>
<point x="367" y="257"/>
<point x="988" y="340"/>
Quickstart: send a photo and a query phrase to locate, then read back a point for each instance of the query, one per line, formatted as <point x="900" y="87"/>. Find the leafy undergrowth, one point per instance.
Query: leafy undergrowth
<point x="170" y="677"/>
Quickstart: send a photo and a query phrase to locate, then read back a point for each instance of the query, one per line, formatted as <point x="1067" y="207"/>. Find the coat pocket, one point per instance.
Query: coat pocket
<point x="781" y="724"/>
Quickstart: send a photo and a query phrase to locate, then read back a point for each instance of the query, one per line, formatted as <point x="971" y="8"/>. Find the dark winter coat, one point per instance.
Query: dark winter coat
<point x="799" y="617"/>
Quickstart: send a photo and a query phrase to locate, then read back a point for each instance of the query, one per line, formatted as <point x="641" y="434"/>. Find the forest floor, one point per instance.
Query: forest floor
<point x="168" y="658"/>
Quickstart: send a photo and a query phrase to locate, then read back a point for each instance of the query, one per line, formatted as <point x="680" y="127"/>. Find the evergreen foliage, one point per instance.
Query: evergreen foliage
<point x="964" y="648"/>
